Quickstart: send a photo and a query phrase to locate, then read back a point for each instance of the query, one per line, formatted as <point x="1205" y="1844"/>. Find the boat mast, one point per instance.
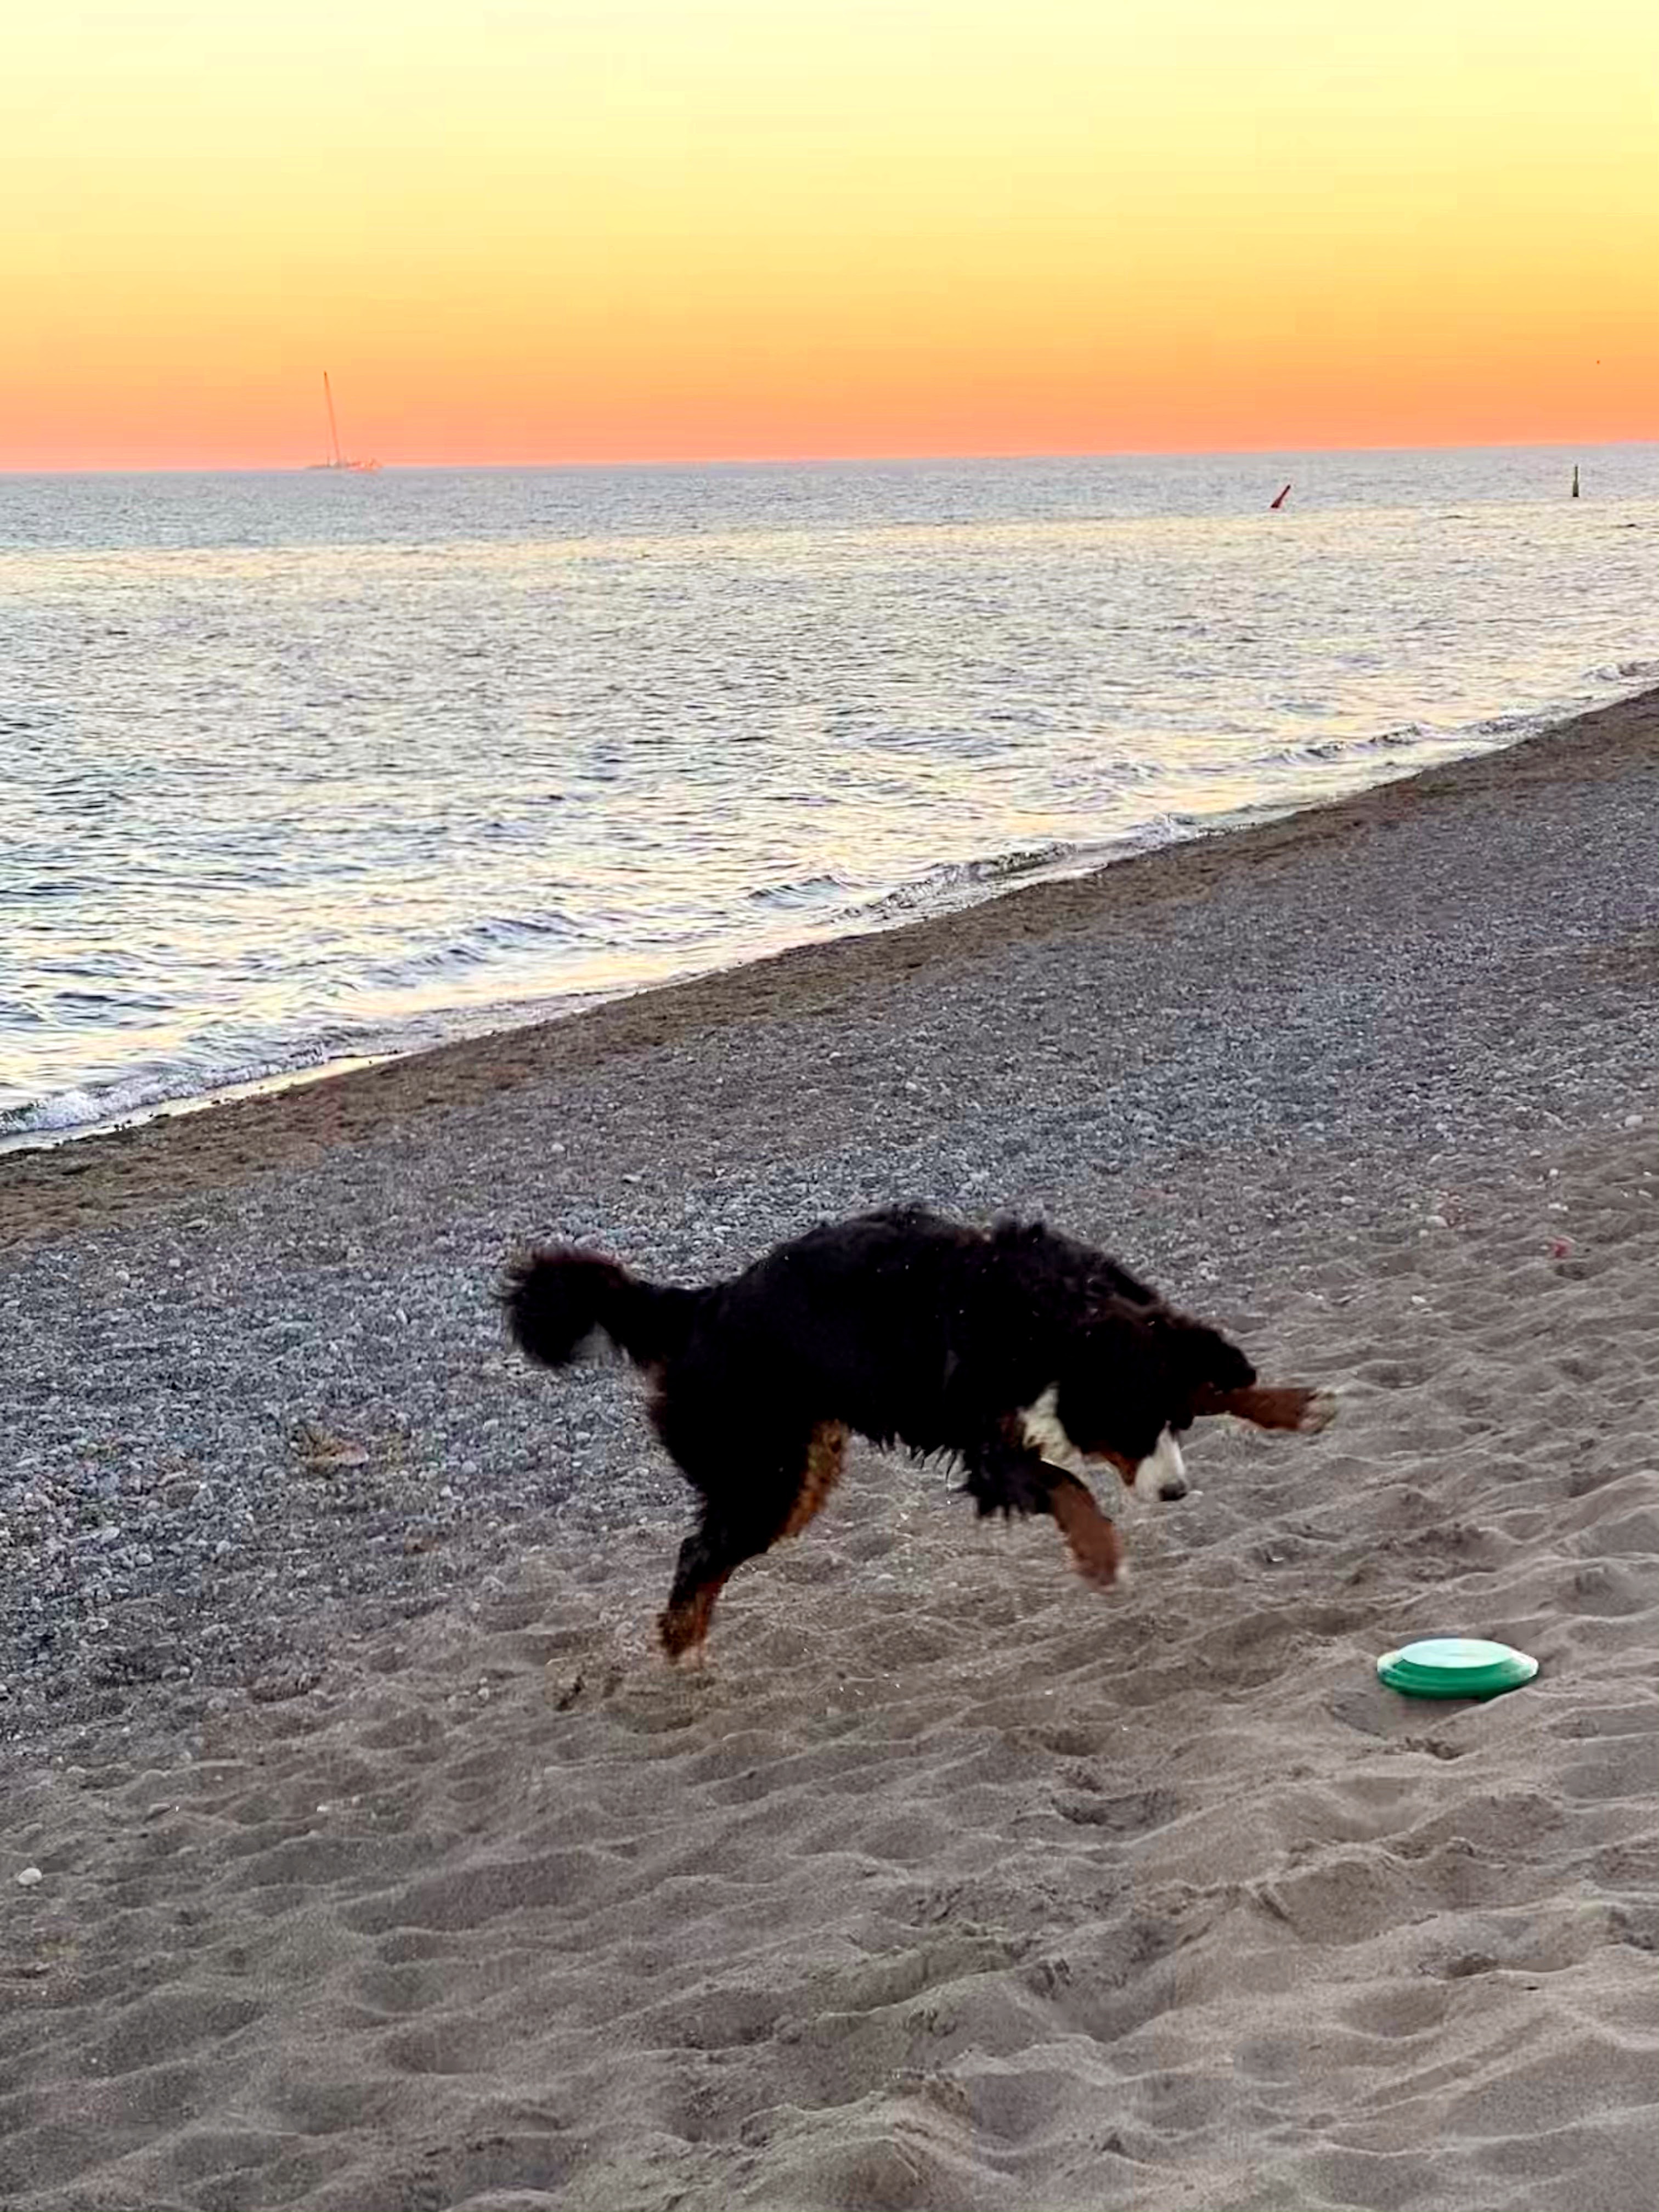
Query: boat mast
<point x="333" y="429"/>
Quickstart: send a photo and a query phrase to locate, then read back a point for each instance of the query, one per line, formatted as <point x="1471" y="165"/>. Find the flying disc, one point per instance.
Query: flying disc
<point x="1456" y="1666"/>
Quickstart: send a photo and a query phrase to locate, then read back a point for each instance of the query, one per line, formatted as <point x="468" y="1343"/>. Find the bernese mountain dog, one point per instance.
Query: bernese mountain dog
<point x="1027" y="1356"/>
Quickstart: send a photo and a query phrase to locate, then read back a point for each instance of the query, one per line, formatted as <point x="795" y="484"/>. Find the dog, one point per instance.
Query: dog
<point x="1026" y="1357"/>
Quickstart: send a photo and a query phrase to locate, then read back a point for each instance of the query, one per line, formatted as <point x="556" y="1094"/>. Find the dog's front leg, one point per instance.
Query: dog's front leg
<point x="1007" y="1477"/>
<point x="1091" y="1539"/>
<point x="1290" y="1407"/>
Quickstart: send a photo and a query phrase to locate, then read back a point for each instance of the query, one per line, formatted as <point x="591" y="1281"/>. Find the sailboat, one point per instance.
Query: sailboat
<point x="337" y="459"/>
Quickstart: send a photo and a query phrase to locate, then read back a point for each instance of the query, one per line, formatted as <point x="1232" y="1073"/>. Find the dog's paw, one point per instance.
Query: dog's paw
<point x="1099" y="1576"/>
<point x="1293" y="1407"/>
<point x="680" y="1632"/>
<point x="1320" y="1410"/>
<point x="1116" y="1584"/>
<point x="1092" y="1541"/>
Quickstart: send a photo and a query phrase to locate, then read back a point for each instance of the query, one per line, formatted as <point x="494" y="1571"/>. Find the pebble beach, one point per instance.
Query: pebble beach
<point x="378" y="1860"/>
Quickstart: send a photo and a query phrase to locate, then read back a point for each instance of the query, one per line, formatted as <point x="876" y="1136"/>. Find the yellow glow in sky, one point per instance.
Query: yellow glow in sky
<point x="523" y="230"/>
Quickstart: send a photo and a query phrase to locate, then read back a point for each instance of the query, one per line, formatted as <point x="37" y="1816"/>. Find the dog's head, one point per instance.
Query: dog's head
<point x="1132" y="1383"/>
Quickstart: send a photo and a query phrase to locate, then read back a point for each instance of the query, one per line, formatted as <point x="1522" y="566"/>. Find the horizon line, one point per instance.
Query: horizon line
<point x="834" y="459"/>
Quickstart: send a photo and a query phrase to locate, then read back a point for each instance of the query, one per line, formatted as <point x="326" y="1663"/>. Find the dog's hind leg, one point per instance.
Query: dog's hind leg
<point x="709" y="1558"/>
<point x="821" y="1474"/>
<point x="767" y="1495"/>
<point x="706" y="1559"/>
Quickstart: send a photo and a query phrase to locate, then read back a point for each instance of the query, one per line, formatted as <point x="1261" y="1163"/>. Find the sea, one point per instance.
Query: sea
<point x="299" y="770"/>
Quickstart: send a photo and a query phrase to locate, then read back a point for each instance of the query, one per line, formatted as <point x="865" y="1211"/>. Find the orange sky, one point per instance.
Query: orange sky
<point x="544" y="230"/>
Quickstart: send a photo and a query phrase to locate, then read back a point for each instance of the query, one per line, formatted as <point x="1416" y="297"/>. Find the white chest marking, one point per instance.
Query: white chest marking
<point x="1045" y="1435"/>
<point x="1162" y="1468"/>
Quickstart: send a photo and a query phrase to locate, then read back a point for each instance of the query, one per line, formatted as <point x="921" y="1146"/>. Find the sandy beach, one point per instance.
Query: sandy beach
<point x="359" y="1851"/>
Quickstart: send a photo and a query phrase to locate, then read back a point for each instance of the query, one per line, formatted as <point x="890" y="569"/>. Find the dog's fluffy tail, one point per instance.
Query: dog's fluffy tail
<point x="557" y="1298"/>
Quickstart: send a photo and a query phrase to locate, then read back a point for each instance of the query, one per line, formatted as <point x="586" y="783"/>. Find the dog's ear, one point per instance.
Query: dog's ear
<point x="1113" y="1388"/>
<point x="1200" y="1358"/>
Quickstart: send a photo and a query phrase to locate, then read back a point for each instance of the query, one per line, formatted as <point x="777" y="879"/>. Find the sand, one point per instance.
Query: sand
<point x="414" y="1879"/>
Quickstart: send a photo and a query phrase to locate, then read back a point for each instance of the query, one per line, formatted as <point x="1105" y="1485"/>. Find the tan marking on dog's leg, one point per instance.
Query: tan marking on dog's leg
<point x="682" y="1627"/>
<point x="1287" y="1408"/>
<point x="821" y="1474"/>
<point x="1090" y="1536"/>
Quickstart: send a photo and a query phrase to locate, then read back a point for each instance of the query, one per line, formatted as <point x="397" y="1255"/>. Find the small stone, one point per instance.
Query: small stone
<point x="279" y="1684"/>
<point x="29" y="1877"/>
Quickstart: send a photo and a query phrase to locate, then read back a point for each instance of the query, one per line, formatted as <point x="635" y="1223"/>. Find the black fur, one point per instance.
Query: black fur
<point x="905" y="1328"/>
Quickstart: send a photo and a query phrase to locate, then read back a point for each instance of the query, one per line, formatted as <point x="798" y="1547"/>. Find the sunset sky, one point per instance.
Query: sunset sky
<point x="547" y="230"/>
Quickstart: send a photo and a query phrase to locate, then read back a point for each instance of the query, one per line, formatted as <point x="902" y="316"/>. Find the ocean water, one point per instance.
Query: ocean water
<point x="299" y="768"/>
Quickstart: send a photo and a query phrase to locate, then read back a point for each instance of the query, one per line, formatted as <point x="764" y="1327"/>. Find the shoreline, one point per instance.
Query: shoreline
<point x="42" y="1187"/>
<point x="967" y="883"/>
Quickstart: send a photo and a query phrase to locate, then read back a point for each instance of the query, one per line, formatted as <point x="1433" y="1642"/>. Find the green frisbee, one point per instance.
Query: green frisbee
<point x="1456" y="1666"/>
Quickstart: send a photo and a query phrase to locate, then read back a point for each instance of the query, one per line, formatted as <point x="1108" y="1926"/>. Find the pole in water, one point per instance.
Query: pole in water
<point x="1274" y="505"/>
<point x="1575" y="479"/>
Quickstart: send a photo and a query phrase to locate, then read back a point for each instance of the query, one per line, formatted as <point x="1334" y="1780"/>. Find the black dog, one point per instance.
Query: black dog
<point x="1021" y="1353"/>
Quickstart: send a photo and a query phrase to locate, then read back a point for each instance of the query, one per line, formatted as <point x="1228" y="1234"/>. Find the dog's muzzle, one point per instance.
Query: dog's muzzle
<point x="1162" y="1473"/>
